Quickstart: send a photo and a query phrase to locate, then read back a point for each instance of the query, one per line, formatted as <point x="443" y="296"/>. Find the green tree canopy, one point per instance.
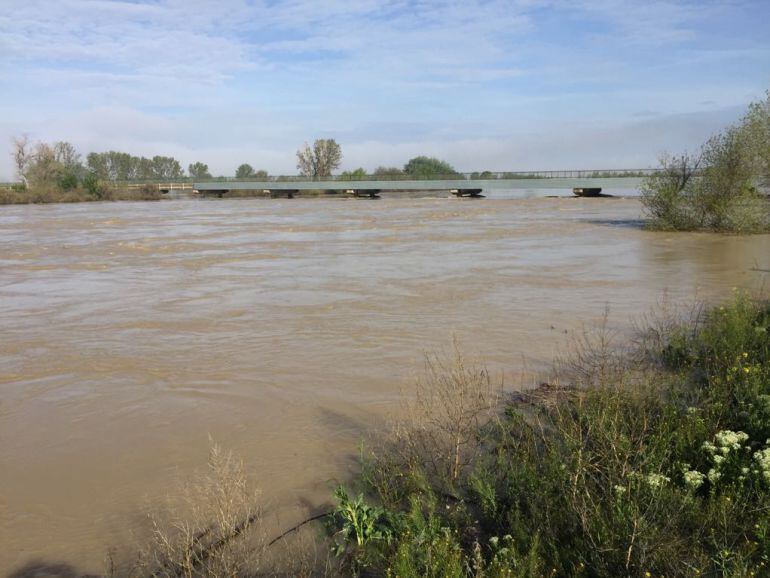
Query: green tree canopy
<point x="165" y="168"/>
<point x="424" y="167"/>
<point x="244" y="171"/>
<point x="388" y="172"/>
<point x="199" y="170"/>
<point x="356" y="175"/>
<point x="120" y="166"/>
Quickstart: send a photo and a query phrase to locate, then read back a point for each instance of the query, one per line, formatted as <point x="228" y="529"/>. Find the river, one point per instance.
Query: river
<point x="283" y="329"/>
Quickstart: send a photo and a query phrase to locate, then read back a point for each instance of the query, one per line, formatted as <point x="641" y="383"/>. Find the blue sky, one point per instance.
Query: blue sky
<point x="485" y="84"/>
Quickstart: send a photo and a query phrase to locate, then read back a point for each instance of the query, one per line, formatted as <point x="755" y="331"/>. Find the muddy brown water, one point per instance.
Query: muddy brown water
<point x="131" y="332"/>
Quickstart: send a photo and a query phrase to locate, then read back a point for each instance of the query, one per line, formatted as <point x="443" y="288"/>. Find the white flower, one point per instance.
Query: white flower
<point x="730" y="439"/>
<point x="619" y="490"/>
<point x="762" y="459"/>
<point x="693" y="479"/>
<point x="713" y="476"/>
<point x="657" y="480"/>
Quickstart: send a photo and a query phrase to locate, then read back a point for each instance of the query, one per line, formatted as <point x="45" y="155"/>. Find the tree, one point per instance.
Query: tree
<point x="114" y="166"/>
<point x="119" y="166"/>
<point x="44" y="170"/>
<point x="199" y="171"/>
<point x="166" y="168"/>
<point x="717" y="189"/>
<point x="755" y="138"/>
<point x="91" y="184"/>
<point x="21" y="156"/>
<point x="356" y="175"/>
<point x="68" y="156"/>
<point x="388" y="172"/>
<point x="244" y="171"/>
<point x="321" y="160"/>
<point x="663" y="192"/>
<point x="427" y="167"/>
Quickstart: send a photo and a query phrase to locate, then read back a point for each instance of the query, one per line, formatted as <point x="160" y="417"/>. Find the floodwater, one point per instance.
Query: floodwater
<point x="283" y="329"/>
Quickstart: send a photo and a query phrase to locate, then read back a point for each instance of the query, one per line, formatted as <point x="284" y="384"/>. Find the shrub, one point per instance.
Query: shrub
<point x="67" y="181"/>
<point x="717" y="189"/>
<point x="91" y="184"/>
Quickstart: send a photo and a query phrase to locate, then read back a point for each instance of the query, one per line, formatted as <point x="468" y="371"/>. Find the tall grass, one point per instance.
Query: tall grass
<point x="659" y="470"/>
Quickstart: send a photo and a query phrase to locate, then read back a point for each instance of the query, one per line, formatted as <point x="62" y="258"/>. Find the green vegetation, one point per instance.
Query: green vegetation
<point x="246" y="171"/>
<point x="388" y="172"/>
<point x="54" y="173"/>
<point x="717" y="189"/>
<point x="652" y="462"/>
<point x="358" y="174"/>
<point x="199" y="171"/>
<point x="428" y="167"/>
<point x="88" y="191"/>
<point x="114" y="166"/>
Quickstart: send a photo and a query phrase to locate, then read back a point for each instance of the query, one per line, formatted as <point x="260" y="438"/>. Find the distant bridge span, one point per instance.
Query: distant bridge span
<point x="467" y="184"/>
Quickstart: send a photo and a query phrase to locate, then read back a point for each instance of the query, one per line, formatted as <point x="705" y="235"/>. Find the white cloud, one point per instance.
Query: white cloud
<point x="480" y="81"/>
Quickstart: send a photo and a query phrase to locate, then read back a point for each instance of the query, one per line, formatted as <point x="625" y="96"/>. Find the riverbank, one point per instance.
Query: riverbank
<point x="11" y="196"/>
<point x="652" y="459"/>
<point x="285" y="331"/>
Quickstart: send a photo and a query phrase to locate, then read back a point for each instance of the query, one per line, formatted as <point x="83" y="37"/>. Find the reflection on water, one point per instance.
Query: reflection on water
<point x="132" y="332"/>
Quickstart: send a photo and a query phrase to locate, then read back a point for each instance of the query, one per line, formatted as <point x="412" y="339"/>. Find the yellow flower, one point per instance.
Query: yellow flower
<point x="745" y="354"/>
<point x="746" y="370"/>
<point x="647" y="574"/>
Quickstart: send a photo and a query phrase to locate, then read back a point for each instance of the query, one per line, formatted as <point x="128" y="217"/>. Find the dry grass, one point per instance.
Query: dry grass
<point x="437" y="434"/>
<point x="218" y="536"/>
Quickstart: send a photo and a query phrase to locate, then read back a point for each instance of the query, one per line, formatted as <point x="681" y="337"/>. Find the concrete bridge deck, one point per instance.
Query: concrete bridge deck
<point x="460" y="186"/>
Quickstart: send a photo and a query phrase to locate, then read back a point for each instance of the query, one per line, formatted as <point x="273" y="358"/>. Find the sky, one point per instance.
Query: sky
<point x="484" y="84"/>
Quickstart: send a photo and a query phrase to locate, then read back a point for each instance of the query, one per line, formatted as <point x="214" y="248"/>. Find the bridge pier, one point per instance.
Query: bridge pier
<point x="278" y="193"/>
<point x="367" y="193"/>
<point x="472" y="193"/>
<point x="218" y="193"/>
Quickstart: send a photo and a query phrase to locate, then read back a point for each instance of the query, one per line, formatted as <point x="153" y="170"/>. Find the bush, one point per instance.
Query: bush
<point x="667" y="473"/>
<point x="68" y="181"/>
<point x="716" y="189"/>
<point x="91" y="184"/>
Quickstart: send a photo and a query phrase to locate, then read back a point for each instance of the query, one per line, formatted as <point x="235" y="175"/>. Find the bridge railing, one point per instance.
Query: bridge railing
<point x="479" y="175"/>
<point x="482" y="175"/>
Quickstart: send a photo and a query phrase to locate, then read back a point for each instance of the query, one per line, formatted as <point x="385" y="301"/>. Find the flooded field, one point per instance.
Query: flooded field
<point x="283" y="329"/>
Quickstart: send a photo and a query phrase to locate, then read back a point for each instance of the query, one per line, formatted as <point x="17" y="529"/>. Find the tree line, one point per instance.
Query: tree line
<point x="325" y="156"/>
<point x="59" y="165"/>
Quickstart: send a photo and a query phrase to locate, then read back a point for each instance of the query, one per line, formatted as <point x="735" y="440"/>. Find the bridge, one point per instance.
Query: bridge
<point x="459" y="184"/>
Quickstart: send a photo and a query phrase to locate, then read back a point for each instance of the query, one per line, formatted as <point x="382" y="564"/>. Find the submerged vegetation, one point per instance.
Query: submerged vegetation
<point x="719" y="188"/>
